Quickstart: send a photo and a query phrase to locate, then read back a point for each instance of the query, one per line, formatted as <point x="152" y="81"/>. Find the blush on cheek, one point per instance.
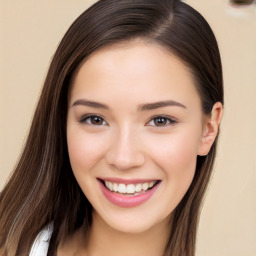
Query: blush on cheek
<point x="84" y="150"/>
<point x="179" y="152"/>
<point x="177" y="159"/>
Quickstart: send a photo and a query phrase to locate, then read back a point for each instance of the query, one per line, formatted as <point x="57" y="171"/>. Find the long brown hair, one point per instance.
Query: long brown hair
<point x="42" y="188"/>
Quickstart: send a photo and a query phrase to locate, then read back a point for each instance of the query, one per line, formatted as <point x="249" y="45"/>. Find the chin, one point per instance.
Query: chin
<point x="135" y="224"/>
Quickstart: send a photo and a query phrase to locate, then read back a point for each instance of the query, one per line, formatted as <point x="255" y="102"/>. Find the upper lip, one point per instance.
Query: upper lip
<point x="126" y="181"/>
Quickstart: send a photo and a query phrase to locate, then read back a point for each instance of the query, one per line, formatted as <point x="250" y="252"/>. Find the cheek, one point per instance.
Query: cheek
<point x="182" y="166"/>
<point x="84" y="150"/>
<point x="183" y="154"/>
<point x="176" y="156"/>
<point x="176" y="153"/>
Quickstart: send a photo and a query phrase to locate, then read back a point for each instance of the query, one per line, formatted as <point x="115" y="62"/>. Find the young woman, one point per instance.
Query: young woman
<point x="122" y="144"/>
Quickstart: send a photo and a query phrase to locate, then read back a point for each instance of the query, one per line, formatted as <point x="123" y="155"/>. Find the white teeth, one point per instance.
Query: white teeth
<point x="138" y="188"/>
<point x="110" y="186"/>
<point x="115" y="187"/>
<point x="145" y="186"/>
<point x="129" y="188"/>
<point x="122" y="189"/>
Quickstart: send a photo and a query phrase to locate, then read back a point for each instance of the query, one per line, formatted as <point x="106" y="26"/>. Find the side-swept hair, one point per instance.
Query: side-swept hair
<point x="42" y="188"/>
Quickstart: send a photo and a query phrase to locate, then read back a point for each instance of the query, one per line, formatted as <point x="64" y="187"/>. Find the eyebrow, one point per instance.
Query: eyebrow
<point x="89" y="103"/>
<point x="160" y="104"/>
<point x="142" y="107"/>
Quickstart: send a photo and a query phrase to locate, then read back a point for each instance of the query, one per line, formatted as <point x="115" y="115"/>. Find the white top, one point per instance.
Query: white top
<point x="41" y="243"/>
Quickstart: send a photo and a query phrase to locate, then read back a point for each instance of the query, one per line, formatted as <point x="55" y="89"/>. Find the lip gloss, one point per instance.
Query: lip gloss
<point x="127" y="201"/>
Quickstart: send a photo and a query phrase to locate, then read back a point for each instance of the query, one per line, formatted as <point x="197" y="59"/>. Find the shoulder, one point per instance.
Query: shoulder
<point x="41" y="243"/>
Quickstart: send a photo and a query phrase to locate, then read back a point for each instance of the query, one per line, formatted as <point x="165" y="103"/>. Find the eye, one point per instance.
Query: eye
<point x="93" y="120"/>
<point x="161" y="121"/>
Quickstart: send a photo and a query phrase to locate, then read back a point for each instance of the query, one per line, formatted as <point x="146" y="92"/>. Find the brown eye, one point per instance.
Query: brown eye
<point x="94" y="120"/>
<point x="161" y="121"/>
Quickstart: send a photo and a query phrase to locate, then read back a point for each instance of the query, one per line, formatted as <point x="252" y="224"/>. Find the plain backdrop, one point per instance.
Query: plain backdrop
<point x="29" y="34"/>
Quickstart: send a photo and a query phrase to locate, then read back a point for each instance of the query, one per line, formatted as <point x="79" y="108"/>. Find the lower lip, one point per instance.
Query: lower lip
<point x="127" y="201"/>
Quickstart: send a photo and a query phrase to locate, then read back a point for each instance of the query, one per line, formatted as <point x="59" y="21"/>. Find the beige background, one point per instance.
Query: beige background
<point x="29" y="33"/>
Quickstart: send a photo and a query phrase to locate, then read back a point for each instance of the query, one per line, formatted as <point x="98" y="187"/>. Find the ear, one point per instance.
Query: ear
<point x="210" y="129"/>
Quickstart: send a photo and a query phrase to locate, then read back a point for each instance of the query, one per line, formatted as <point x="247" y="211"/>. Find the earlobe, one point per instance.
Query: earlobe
<point x="210" y="130"/>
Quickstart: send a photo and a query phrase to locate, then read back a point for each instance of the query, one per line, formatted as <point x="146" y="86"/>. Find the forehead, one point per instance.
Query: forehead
<point x="135" y="69"/>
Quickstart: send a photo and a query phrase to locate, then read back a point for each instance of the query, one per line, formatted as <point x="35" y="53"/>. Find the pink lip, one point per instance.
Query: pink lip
<point x="127" y="201"/>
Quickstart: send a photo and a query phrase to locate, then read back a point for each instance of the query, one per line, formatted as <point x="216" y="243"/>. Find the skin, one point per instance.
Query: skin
<point x="127" y="142"/>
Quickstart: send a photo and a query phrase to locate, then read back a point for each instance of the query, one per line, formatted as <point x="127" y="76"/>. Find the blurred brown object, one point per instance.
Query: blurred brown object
<point x="241" y="2"/>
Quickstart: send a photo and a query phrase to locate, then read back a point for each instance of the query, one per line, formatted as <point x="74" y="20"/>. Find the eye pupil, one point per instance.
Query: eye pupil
<point x="96" y="120"/>
<point x="160" y="121"/>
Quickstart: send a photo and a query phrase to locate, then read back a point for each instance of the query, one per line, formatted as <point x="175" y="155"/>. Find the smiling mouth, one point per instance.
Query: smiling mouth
<point x="129" y="189"/>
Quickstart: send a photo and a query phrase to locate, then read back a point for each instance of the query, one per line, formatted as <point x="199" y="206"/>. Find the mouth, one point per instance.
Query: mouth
<point x="125" y="193"/>
<point x="131" y="189"/>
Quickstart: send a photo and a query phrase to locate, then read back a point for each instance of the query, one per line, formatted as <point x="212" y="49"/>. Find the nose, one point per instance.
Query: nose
<point x="125" y="151"/>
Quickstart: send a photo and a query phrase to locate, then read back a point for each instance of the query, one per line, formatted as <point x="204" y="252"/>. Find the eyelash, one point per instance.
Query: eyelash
<point x="87" y="118"/>
<point x="167" y="120"/>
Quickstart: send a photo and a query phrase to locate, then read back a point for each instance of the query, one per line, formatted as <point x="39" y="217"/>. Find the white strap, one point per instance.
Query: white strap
<point x="41" y="243"/>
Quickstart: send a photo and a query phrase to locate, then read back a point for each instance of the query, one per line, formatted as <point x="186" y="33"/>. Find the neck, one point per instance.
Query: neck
<point x="104" y="240"/>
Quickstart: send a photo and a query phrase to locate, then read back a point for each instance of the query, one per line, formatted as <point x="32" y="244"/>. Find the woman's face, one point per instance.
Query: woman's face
<point x="134" y="131"/>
